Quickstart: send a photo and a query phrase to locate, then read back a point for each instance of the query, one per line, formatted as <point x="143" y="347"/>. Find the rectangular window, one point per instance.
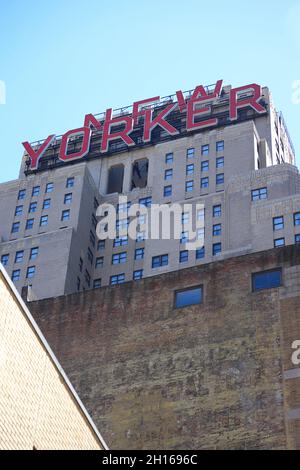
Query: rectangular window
<point x="138" y="275"/>
<point x="22" y="194"/>
<point x="297" y="239"/>
<point x="185" y="218"/>
<point x="169" y="158"/>
<point x="205" y="150"/>
<point x="19" y="210"/>
<point x="200" y="253"/>
<point x="200" y="233"/>
<point x="267" y="280"/>
<point x="19" y="256"/>
<point x="122" y="224"/>
<point x="168" y="174"/>
<point x="97" y="284"/>
<point x="43" y="220"/>
<point x="190" y="153"/>
<point x="140" y="236"/>
<point x="139" y="253"/>
<point x="189" y="186"/>
<point x="101" y="245"/>
<point x="145" y="201"/>
<point x="123" y="207"/>
<point x="297" y="219"/>
<point x="46" y="203"/>
<point x="5" y="259"/>
<point x="201" y="215"/>
<point x="65" y="215"/>
<point x="68" y="198"/>
<point x="119" y="279"/>
<point x="121" y="241"/>
<point x="15" y="227"/>
<point x="119" y="258"/>
<point x="220" y="178"/>
<point x="70" y="182"/>
<point x="279" y="242"/>
<point x="204" y="183"/>
<point x="16" y="274"/>
<point x="49" y="188"/>
<point x="35" y="191"/>
<point x="99" y="262"/>
<point x="217" y="249"/>
<point x="188" y="297"/>
<point x="190" y="170"/>
<point x="217" y="211"/>
<point x="159" y="261"/>
<point x="220" y="146"/>
<point x="259" y="194"/>
<point x="278" y="223"/>
<point x="29" y="224"/>
<point x="205" y="166"/>
<point x="34" y="252"/>
<point x="139" y="174"/>
<point x="167" y="191"/>
<point x="32" y="207"/>
<point x="184" y="237"/>
<point x="30" y="272"/>
<point x="184" y="256"/>
<point x="217" y="230"/>
<point x="220" y="162"/>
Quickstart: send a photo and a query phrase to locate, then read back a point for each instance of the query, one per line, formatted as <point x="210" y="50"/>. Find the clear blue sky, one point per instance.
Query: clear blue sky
<point x="61" y="59"/>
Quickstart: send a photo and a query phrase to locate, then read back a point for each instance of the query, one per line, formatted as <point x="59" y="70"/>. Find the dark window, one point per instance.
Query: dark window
<point x="167" y="191"/>
<point x="220" y="178"/>
<point x="15" y="227"/>
<point x="220" y="162"/>
<point x="297" y="218"/>
<point x="101" y="245"/>
<point x="217" y="230"/>
<point x="279" y="242"/>
<point x="205" y="166"/>
<point x="34" y="252"/>
<point x="65" y="215"/>
<point x="16" y="275"/>
<point x="121" y="241"/>
<point x="169" y="158"/>
<point x="43" y="220"/>
<point x="139" y="174"/>
<point x="159" y="261"/>
<point x="217" y="211"/>
<point x="266" y="280"/>
<point x="97" y="283"/>
<point x="30" y="272"/>
<point x="118" y="279"/>
<point x="119" y="258"/>
<point x="35" y="191"/>
<point x="49" y="187"/>
<point x="297" y="239"/>
<point x="5" y="259"/>
<point x="139" y="253"/>
<point x="19" y="210"/>
<point x="189" y="186"/>
<point x="184" y="256"/>
<point x="190" y="169"/>
<point x="115" y="179"/>
<point x="217" y="249"/>
<point x="259" y="194"/>
<point x="204" y="183"/>
<point x="68" y="198"/>
<point x="137" y="275"/>
<point x="205" y="150"/>
<point x="46" y="203"/>
<point x="188" y="297"/>
<point x="22" y="194"/>
<point x="29" y="224"/>
<point x="168" y="174"/>
<point x="99" y="262"/>
<point x="200" y="253"/>
<point x="32" y="207"/>
<point x="278" y="223"/>
<point x="190" y="153"/>
<point x="220" y="146"/>
<point x="19" y="256"/>
<point x="70" y="182"/>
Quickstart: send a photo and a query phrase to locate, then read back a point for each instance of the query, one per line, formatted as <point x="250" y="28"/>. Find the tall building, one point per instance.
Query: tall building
<point x="227" y="149"/>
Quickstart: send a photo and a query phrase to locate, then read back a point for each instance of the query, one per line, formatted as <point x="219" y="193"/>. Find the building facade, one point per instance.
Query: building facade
<point x="242" y="172"/>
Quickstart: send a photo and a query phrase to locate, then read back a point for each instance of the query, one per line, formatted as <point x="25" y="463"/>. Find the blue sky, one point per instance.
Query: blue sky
<point x="62" y="59"/>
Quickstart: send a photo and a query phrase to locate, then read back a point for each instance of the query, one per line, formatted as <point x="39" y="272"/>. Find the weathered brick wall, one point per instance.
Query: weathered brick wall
<point x="205" y="377"/>
<point x="37" y="409"/>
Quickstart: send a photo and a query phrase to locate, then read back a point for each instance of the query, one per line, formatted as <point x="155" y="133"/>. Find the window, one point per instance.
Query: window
<point x="70" y="182"/>
<point x="200" y="233"/>
<point x="49" y="187"/>
<point x="297" y="219"/>
<point x="217" y="211"/>
<point x="138" y="275"/>
<point x="34" y="252"/>
<point x="205" y="150"/>
<point x="121" y="241"/>
<point x="122" y="224"/>
<point x="139" y="174"/>
<point x="183" y="256"/>
<point x="65" y="215"/>
<point x="22" y="194"/>
<point x="19" y="210"/>
<point x="43" y="220"/>
<point x="46" y="203"/>
<point x="259" y="194"/>
<point x="119" y="258"/>
<point x="90" y="256"/>
<point x="185" y="218"/>
<point x="87" y="277"/>
<point x="101" y="245"/>
<point x="92" y="239"/>
<point x="139" y="253"/>
<point x="167" y="191"/>
<point x="217" y="230"/>
<point x="190" y="153"/>
<point x="99" y="262"/>
<point x="123" y="207"/>
<point x="200" y="253"/>
<point x="220" y="146"/>
<point x="266" y="280"/>
<point x="16" y="275"/>
<point x="19" y="256"/>
<point x="68" y="198"/>
<point x="97" y="284"/>
<point x="278" y="223"/>
<point x="188" y="297"/>
<point x="29" y="224"/>
<point x="217" y="249"/>
<point x="169" y="158"/>
<point x="220" y="178"/>
<point x="184" y="237"/>
<point x="5" y="259"/>
<point x="159" y="261"/>
<point x="205" y="166"/>
<point x="220" y="162"/>
<point x="190" y="169"/>
<point x="168" y="174"/>
<point x="30" y="272"/>
<point x="297" y="239"/>
<point x="32" y="207"/>
<point x="201" y="215"/>
<point x="119" y="279"/>
<point x="279" y="242"/>
<point x="145" y="201"/>
<point x="35" y="191"/>
<point x="15" y="227"/>
<point x="140" y="236"/>
<point x="189" y="186"/>
<point x="204" y="183"/>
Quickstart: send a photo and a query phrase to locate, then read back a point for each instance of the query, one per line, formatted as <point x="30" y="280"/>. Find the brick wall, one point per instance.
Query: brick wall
<point x="210" y="376"/>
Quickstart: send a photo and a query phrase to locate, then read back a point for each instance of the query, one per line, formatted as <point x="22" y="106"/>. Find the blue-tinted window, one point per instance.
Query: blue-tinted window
<point x="259" y="194"/>
<point x="121" y="241"/>
<point x="43" y="220"/>
<point x="220" y="178"/>
<point x="30" y="272"/>
<point x="137" y="275"/>
<point x="297" y="218"/>
<point x="190" y="153"/>
<point x="32" y="207"/>
<point x="46" y="203"/>
<point x="29" y="224"/>
<point x="70" y="183"/>
<point x="279" y="242"/>
<point x="5" y="259"/>
<point x="123" y="207"/>
<point x="184" y="237"/>
<point x="220" y="162"/>
<point x="22" y="194"/>
<point x="297" y="239"/>
<point x="184" y="256"/>
<point x="267" y="280"/>
<point x="169" y="158"/>
<point x="119" y="258"/>
<point x="200" y="253"/>
<point x="159" y="261"/>
<point x="119" y="279"/>
<point x="188" y="297"/>
<point x="139" y="253"/>
<point x="217" y="230"/>
<point x="16" y="274"/>
<point x="205" y="166"/>
<point x="278" y="223"/>
<point x="65" y="215"/>
<point x="97" y="283"/>
<point x="190" y="169"/>
<point x="145" y="201"/>
<point x="217" y="249"/>
<point x="167" y="191"/>
<point x="34" y="252"/>
<point x="19" y="256"/>
<point x="168" y="174"/>
<point x="217" y="211"/>
<point x="15" y="227"/>
<point x="220" y="146"/>
<point x="35" y="191"/>
<point x="49" y="187"/>
<point x="68" y="198"/>
<point x="19" y="210"/>
<point x="204" y="183"/>
<point x="99" y="262"/>
<point x="189" y="186"/>
<point x="101" y="245"/>
<point x="205" y="150"/>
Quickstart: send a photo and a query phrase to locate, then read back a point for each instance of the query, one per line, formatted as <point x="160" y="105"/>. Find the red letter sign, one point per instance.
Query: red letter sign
<point x="109" y="123"/>
<point x="252" y="101"/>
<point x="159" y="120"/>
<point x="91" y="121"/>
<point x="137" y="112"/>
<point x="36" y="155"/>
<point x="63" y="152"/>
<point x="200" y="96"/>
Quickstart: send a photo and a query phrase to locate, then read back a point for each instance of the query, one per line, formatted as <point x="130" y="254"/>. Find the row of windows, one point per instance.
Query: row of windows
<point x="279" y="242"/>
<point x="46" y="205"/>
<point x="36" y="190"/>
<point x="19" y="256"/>
<point x="190" y="185"/>
<point x="278" y="222"/>
<point x="30" y="273"/>
<point x="190" y="153"/>
<point x="190" y="169"/>
<point x="65" y="215"/>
